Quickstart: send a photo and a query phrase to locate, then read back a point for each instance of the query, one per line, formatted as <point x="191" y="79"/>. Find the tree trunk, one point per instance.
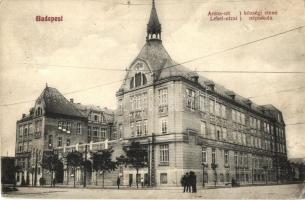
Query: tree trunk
<point x="67" y="176"/>
<point x="96" y="173"/>
<point x="103" y="178"/>
<point x="52" y="183"/>
<point x="137" y="177"/>
<point x="32" y="178"/>
<point x="74" y="176"/>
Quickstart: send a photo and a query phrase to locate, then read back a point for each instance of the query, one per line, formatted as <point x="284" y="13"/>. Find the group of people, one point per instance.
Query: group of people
<point x="188" y="182"/>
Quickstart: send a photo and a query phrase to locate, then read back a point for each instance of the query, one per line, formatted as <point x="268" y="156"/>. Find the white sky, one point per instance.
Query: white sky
<point x="107" y="34"/>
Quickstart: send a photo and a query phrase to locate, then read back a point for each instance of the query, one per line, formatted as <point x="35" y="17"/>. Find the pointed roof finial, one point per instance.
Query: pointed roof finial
<point x="46" y="85"/>
<point x="153" y="26"/>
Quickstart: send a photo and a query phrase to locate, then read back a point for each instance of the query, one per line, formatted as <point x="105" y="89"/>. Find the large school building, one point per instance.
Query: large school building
<point x="186" y="121"/>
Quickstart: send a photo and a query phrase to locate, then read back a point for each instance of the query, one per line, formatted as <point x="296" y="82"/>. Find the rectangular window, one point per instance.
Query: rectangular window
<point x="213" y="155"/>
<point x="204" y="155"/>
<point x="235" y="159"/>
<point x="190" y="95"/>
<point x="59" y="144"/>
<point x="139" y="128"/>
<point x="163" y="122"/>
<point x="95" y="134"/>
<point x="203" y="129"/>
<point x="163" y="97"/>
<point x="164" y="154"/>
<point x="218" y="133"/>
<point x="212" y="131"/>
<point x="144" y="99"/>
<point x="217" y="109"/>
<point x="60" y="125"/>
<point x="226" y="157"/>
<point x="78" y="128"/>
<point x="223" y="111"/>
<point x="224" y="133"/>
<point x="163" y="178"/>
<point x="68" y="142"/>
<point x="132" y="102"/>
<point x="64" y="126"/>
<point x="145" y="130"/>
<point x="202" y="103"/>
<point x="132" y="129"/>
<point x="212" y="105"/>
<point x="69" y="127"/>
<point x="103" y="133"/>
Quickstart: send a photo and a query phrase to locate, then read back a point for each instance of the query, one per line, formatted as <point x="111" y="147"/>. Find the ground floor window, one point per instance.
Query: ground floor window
<point x="221" y="178"/>
<point x="163" y="178"/>
<point x="206" y="178"/>
<point x="227" y="177"/>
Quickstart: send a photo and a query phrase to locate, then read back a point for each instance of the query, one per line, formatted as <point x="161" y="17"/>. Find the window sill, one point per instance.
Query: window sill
<point x="164" y="164"/>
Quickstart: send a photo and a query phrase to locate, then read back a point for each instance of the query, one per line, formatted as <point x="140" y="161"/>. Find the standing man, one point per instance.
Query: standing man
<point x="183" y="182"/>
<point x="142" y="182"/>
<point x="188" y="182"/>
<point x="118" y="182"/>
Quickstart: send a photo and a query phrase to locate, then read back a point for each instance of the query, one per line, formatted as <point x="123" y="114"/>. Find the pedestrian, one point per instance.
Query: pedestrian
<point x="130" y="182"/>
<point x="193" y="182"/>
<point x="142" y="181"/>
<point x="54" y="181"/>
<point x="41" y="181"/>
<point x="183" y="182"/>
<point x="118" y="182"/>
<point x="187" y="182"/>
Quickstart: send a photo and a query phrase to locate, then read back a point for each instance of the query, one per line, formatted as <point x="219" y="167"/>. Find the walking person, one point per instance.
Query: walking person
<point x="118" y="182"/>
<point x="187" y="182"/>
<point x="194" y="182"/>
<point x="142" y="182"/>
<point x="183" y="182"/>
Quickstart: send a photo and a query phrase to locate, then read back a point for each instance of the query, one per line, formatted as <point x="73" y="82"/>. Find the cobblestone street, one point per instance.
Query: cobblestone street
<point x="293" y="191"/>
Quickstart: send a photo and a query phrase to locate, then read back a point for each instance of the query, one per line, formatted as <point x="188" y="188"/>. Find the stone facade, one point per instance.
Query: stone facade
<point x="186" y="122"/>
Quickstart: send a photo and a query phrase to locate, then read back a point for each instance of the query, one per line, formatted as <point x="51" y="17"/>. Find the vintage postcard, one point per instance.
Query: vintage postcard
<point x="152" y="99"/>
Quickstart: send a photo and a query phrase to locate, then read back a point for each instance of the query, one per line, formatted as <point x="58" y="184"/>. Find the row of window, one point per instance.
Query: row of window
<point x="66" y="127"/>
<point x="240" y="159"/>
<point x="97" y="132"/>
<point x="139" y="128"/>
<point x="97" y="117"/>
<point x="138" y="101"/>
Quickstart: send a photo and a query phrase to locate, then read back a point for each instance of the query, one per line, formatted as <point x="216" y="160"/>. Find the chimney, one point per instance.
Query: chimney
<point x="23" y="115"/>
<point x="72" y="100"/>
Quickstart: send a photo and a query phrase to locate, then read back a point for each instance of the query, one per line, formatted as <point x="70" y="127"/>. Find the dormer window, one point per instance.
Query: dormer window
<point x="39" y="111"/>
<point x="138" y="80"/>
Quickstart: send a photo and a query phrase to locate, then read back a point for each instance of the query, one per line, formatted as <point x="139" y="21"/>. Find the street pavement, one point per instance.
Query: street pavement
<point x="292" y="191"/>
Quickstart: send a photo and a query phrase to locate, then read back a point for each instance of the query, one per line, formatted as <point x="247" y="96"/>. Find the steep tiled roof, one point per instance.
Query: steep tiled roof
<point x="86" y="109"/>
<point x="156" y="56"/>
<point x="163" y="66"/>
<point x="56" y="103"/>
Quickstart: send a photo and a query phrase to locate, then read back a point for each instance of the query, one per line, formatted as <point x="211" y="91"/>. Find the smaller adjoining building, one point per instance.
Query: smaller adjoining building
<point x="55" y="122"/>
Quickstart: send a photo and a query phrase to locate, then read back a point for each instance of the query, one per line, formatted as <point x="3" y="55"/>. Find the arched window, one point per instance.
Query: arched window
<point x="39" y="111"/>
<point x="132" y="83"/>
<point x="138" y="80"/>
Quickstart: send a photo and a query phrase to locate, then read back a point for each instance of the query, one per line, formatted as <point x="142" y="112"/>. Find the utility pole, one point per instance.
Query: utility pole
<point x="85" y="163"/>
<point x="36" y="158"/>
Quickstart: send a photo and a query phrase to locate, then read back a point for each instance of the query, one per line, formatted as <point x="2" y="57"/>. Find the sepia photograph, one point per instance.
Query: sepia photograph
<point x="152" y="99"/>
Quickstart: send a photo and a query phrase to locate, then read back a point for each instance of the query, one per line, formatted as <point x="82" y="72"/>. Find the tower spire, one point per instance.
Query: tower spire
<point x="153" y="26"/>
